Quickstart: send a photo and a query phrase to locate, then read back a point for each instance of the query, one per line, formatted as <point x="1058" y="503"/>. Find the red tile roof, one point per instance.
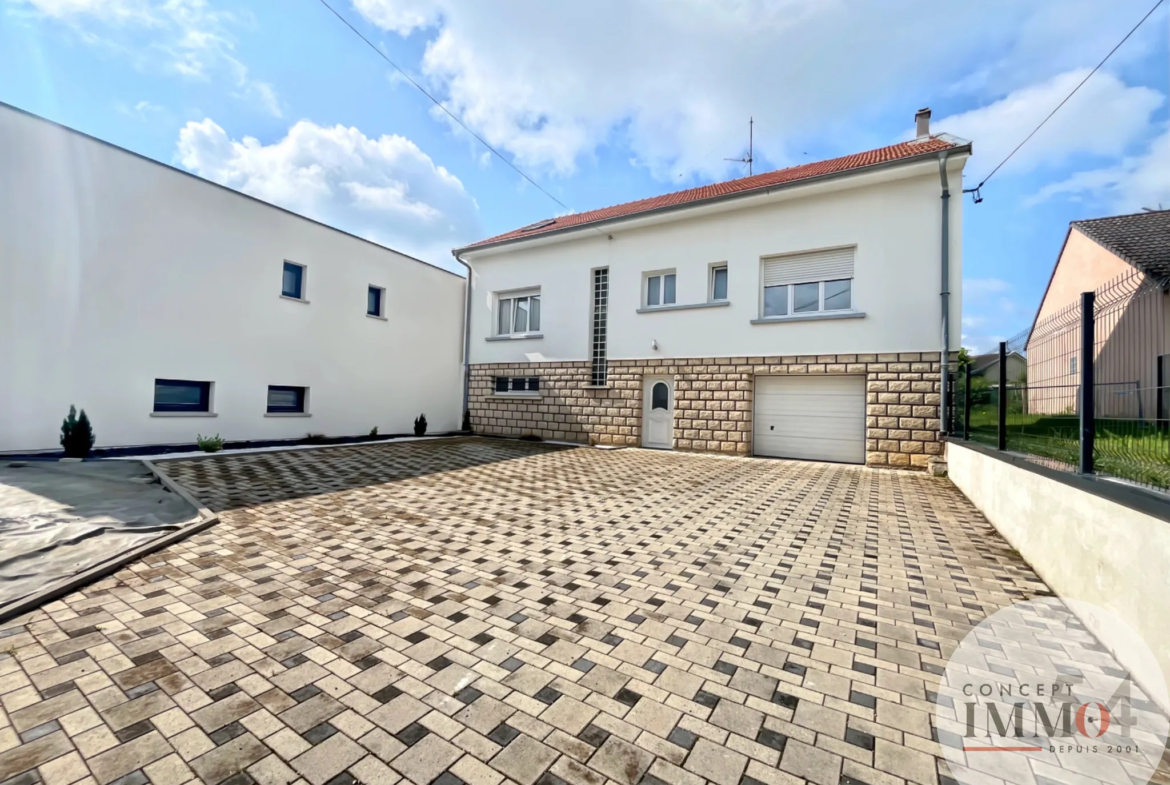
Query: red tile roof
<point x="781" y="176"/>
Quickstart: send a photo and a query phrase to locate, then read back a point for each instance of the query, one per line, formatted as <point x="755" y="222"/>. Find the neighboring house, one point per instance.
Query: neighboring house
<point x="1124" y="258"/>
<point x="168" y="306"/>
<point x="795" y="314"/>
<point x="987" y="366"/>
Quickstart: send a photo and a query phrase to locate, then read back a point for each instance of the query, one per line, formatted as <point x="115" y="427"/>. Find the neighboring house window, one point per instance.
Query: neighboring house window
<point x="1072" y="365"/>
<point x="293" y="284"/>
<point x="598" y="356"/>
<point x="808" y="283"/>
<point x="505" y="384"/>
<point x="518" y="313"/>
<point x="659" y="289"/>
<point x="176" y="395"/>
<point x="286" y="400"/>
<point x="375" y="300"/>
<point x="719" y="283"/>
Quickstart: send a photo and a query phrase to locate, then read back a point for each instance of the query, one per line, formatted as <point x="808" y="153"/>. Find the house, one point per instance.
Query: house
<point x="794" y="314"/>
<point x="987" y="367"/>
<point x="1125" y="259"/>
<point x="168" y="306"/>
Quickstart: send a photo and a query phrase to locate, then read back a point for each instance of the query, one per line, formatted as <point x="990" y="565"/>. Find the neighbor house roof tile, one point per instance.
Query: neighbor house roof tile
<point x="792" y="174"/>
<point x="1142" y="239"/>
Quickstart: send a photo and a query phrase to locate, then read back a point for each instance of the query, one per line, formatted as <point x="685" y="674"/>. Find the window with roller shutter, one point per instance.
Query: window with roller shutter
<point x="804" y="283"/>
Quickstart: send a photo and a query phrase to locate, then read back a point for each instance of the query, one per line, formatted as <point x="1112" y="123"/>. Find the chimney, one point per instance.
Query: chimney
<point x="922" y="120"/>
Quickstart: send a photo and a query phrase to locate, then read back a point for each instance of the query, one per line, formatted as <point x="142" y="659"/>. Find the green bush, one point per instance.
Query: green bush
<point x="77" y="435"/>
<point x="374" y="431"/>
<point x="420" y="425"/>
<point x="209" y="443"/>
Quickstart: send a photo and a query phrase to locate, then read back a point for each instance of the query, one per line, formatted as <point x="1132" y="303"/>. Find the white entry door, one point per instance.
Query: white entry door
<point x="658" y="412"/>
<point x="817" y="418"/>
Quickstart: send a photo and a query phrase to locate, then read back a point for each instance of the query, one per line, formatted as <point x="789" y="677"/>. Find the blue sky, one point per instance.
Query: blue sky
<point x="612" y="100"/>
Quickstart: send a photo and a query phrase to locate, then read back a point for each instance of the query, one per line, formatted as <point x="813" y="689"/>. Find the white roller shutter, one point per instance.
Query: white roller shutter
<point x="829" y="265"/>
<point x="815" y="418"/>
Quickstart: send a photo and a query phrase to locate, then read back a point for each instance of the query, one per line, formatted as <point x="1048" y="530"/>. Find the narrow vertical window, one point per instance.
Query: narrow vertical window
<point x="374" y="301"/>
<point x="293" y="283"/>
<point x="600" y="314"/>
<point x="668" y="289"/>
<point x="718" y="283"/>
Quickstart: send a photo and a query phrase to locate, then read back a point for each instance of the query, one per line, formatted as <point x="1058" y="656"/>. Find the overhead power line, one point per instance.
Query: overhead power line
<point x="439" y="104"/>
<point x="983" y="182"/>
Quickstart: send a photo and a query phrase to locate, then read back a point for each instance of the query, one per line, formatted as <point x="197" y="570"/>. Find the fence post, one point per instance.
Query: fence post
<point x="967" y="402"/>
<point x="1159" y="398"/>
<point x="1001" y="441"/>
<point x="1088" y="403"/>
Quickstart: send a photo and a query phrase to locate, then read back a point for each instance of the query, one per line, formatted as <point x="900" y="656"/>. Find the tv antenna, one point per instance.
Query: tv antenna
<point x="751" y="144"/>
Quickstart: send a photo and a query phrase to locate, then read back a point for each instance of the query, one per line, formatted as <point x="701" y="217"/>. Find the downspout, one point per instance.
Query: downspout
<point x="466" y="341"/>
<point x="945" y="357"/>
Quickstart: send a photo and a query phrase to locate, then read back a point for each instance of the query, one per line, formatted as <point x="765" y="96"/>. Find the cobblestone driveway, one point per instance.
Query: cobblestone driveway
<point x="488" y="611"/>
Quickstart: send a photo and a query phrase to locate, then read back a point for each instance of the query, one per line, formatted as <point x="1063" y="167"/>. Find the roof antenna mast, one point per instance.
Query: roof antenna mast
<point x="751" y="146"/>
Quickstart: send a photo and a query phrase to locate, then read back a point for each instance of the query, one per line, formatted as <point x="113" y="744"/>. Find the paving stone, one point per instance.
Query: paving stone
<point x="715" y="763"/>
<point x="20" y="759"/>
<point x="423" y="762"/>
<point x="812" y="763"/>
<point x="128" y="757"/>
<point x="235" y="756"/>
<point x="524" y="760"/>
<point x="621" y="761"/>
<point x="409" y="586"/>
<point x="328" y="759"/>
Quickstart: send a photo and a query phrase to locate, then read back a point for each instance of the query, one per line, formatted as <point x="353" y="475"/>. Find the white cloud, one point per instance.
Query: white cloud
<point x="186" y="37"/>
<point x="385" y="189"/>
<point x="1104" y="118"/>
<point x="1136" y="182"/>
<point x="676" y="81"/>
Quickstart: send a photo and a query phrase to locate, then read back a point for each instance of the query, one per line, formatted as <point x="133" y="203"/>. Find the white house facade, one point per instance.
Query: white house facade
<point x="792" y="314"/>
<point x="167" y="306"/>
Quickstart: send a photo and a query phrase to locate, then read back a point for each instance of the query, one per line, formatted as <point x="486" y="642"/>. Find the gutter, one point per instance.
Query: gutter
<point x="945" y="294"/>
<point x="466" y="339"/>
<point x="763" y="191"/>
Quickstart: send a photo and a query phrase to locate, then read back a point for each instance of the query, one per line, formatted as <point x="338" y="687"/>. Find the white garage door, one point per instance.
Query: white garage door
<point x="817" y="418"/>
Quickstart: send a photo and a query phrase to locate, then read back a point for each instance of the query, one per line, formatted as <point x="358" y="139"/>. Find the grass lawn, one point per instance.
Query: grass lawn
<point x="1128" y="449"/>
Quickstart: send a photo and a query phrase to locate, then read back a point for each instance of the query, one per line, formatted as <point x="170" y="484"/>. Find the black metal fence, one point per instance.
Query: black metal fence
<point x="1084" y="390"/>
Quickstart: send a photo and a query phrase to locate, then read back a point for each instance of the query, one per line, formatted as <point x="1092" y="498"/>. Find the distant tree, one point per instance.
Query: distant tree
<point x="420" y="425"/>
<point x="77" y="435"/>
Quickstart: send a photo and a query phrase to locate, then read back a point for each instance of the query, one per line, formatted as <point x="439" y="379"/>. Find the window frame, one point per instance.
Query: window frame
<point x="204" y="406"/>
<point x="381" y="290"/>
<point x="790" y="300"/>
<point x="512" y="296"/>
<point x="301" y="407"/>
<point x="529" y="385"/>
<point x="303" y="281"/>
<point x="715" y="268"/>
<point x="662" y="275"/>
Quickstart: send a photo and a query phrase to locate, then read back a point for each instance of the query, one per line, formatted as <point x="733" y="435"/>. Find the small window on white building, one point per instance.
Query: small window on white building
<point x="293" y="282"/>
<point x="658" y="289"/>
<point x="283" y="399"/>
<point x="178" y="396"/>
<point x="375" y="301"/>
<point x="718" y="283"/>
<point x="518" y="313"/>
<point x="1072" y="365"/>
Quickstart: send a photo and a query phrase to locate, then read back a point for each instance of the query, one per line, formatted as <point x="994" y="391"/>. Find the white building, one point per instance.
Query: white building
<point x="167" y="306"/>
<point x="795" y="313"/>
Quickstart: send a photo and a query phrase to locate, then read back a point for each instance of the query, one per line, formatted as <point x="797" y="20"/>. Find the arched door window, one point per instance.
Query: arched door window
<point x="660" y="396"/>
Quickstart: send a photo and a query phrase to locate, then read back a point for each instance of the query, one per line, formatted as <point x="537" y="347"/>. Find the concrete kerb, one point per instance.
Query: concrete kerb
<point x="203" y="520"/>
